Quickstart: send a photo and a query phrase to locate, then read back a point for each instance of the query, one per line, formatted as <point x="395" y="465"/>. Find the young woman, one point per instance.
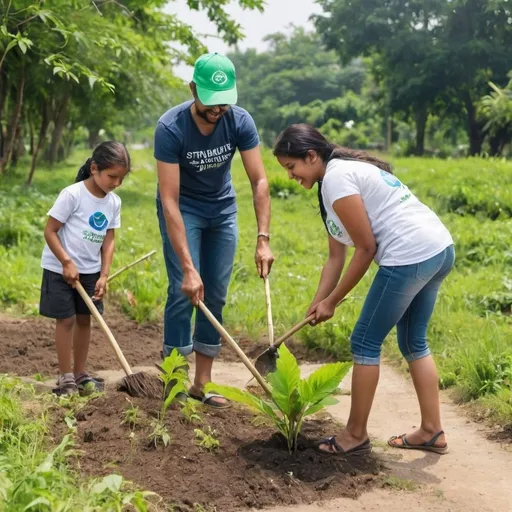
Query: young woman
<point x="365" y="206"/>
<point x="80" y="246"/>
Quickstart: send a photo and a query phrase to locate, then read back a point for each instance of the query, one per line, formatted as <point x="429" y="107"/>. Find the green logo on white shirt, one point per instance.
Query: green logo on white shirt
<point x="333" y="228"/>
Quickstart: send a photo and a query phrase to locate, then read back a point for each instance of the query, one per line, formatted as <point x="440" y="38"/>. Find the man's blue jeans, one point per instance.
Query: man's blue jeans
<point x="212" y="245"/>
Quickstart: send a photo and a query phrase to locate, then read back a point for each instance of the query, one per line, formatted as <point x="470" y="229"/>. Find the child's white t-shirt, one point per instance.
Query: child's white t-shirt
<point x="85" y="219"/>
<point x="406" y="231"/>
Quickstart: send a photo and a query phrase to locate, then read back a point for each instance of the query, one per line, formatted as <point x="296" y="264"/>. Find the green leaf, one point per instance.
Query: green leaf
<point x="173" y="362"/>
<point x="243" y="397"/>
<point x="74" y="77"/>
<point x="111" y="482"/>
<point x="92" y="81"/>
<point x="323" y="382"/>
<point x="285" y="380"/>
<point x="46" y="465"/>
<point x="24" y="44"/>
<point x="179" y="387"/>
<point x="37" y="501"/>
<point x="320" y="405"/>
<point x="11" y="45"/>
<point x="4" y="31"/>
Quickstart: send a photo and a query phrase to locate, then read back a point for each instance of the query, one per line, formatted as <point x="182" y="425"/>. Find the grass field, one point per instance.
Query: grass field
<point x="470" y="333"/>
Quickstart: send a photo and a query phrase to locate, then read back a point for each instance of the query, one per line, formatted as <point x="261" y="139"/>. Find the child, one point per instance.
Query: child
<point x="79" y="238"/>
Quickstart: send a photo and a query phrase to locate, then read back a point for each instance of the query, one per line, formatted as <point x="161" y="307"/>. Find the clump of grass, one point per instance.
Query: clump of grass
<point x="32" y="477"/>
<point x="400" y="484"/>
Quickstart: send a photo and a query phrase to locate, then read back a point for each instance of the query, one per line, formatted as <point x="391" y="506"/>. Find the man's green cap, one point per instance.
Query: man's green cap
<point x="215" y="79"/>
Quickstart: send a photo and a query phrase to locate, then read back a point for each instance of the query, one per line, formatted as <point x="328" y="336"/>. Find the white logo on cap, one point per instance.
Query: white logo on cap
<point x="219" y="78"/>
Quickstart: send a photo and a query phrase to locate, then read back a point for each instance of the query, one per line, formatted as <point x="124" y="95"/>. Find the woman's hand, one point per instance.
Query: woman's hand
<point x="323" y="310"/>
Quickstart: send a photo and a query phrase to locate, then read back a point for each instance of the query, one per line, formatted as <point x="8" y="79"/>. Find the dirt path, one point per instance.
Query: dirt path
<point x="475" y="476"/>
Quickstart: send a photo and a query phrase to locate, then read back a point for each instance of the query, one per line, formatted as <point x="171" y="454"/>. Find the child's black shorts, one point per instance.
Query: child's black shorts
<point x="60" y="300"/>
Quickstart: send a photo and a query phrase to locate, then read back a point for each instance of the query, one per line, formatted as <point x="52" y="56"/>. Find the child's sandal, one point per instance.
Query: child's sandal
<point x="88" y="385"/>
<point x="65" y="387"/>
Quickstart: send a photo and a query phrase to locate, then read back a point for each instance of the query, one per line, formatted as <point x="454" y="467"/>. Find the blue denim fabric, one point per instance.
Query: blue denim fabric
<point x="212" y="244"/>
<point x="403" y="296"/>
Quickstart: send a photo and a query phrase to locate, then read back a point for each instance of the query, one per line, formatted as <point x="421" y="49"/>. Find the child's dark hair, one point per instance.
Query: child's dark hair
<point x="296" y="140"/>
<point x="105" y="155"/>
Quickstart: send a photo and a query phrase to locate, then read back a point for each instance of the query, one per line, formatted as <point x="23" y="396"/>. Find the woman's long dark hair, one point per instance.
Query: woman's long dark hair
<point x="105" y="155"/>
<point x="298" y="139"/>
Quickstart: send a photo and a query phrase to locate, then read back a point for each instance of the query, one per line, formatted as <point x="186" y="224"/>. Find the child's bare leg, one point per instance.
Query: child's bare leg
<point x="63" y="343"/>
<point x="81" y="340"/>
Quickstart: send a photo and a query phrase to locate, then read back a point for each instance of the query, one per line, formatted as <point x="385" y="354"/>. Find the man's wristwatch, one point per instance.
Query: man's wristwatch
<point x="264" y="235"/>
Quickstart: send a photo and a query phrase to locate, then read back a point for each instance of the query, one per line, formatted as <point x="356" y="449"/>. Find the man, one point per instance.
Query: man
<point x="194" y="145"/>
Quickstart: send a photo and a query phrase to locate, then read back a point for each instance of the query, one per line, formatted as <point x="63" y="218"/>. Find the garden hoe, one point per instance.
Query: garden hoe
<point x="126" y="267"/>
<point x="234" y="345"/>
<point x="138" y="384"/>
<point x="269" y="312"/>
<point x="266" y="362"/>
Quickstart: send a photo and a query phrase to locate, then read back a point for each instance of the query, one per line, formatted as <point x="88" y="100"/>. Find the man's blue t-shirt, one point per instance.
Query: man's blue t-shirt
<point x="205" y="161"/>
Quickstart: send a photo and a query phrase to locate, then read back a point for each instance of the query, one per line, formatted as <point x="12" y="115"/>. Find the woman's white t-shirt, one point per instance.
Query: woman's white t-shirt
<point x="405" y="230"/>
<point x="85" y="220"/>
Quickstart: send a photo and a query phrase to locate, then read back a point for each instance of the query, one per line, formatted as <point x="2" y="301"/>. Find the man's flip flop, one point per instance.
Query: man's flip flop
<point x="209" y="400"/>
<point x="428" y="446"/>
<point x="335" y="449"/>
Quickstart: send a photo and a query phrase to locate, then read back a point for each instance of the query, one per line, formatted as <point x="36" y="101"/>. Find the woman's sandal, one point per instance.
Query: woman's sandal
<point x="428" y="446"/>
<point x="335" y="449"/>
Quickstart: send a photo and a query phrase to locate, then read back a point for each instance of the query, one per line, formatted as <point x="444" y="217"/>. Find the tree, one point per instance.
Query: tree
<point x="496" y="110"/>
<point x="296" y="69"/>
<point x="425" y="50"/>
<point x="89" y="63"/>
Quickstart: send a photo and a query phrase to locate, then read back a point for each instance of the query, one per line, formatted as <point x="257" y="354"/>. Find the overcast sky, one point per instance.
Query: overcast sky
<point x="277" y="16"/>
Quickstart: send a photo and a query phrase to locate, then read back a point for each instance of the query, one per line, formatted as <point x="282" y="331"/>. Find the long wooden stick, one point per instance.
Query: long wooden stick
<point x="269" y="312"/>
<point x="235" y="347"/>
<point x="294" y="329"/>
<point x="104" y="327"/>
<point x="122" y="269"/>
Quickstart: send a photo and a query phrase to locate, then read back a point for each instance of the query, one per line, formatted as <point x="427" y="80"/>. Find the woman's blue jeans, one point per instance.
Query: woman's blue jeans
<point x="403" y="296"/>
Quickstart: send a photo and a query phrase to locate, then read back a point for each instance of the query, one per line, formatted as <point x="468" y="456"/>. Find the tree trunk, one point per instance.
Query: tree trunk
<point x="421" y="123"/>
<point x="498" y="141"/>
<point x="13" y="124"/>
<point x="388" y="139"/>
<point x="18" y="149"/>
<point x="31" y="134"/>
<point x="475" y="127"/>
<point x="4" y="87"/>
<point x="60" y="122"/>
<point x="45" y="121"/>
<point x="94" y="137"/>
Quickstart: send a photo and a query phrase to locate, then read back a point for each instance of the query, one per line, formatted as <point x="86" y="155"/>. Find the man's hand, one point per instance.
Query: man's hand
<point x="323" y="310"/>
<point x="263" y="257"/>
<point x="192" y="286"/>
<point x="70" y="273"/>
<point x="100" y="289"/>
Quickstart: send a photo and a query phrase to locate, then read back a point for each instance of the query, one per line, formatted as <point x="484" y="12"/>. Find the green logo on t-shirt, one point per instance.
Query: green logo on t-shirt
<point x="333" y="228"/>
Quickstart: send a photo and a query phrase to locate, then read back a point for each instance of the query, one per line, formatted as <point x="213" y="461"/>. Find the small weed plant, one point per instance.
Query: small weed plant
<point x="159" y="434"/>
<point x="190" y="412"/>
<point x="131" y="415"/>
<point x="174" y="376"/>
<point x="206" y="440"/>
<point x="293" y="398"/>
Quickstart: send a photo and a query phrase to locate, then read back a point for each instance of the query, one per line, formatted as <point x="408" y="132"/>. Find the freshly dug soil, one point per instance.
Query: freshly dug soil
<point x="251" y="468"/>
<point x="27" y="345"/>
